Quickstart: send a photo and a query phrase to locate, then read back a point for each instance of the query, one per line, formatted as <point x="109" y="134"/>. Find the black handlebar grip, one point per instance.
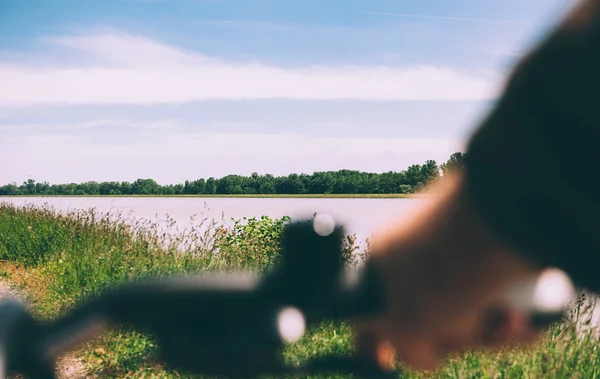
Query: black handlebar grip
<point x="310" y="265"/>
<point x="313" y="277"/>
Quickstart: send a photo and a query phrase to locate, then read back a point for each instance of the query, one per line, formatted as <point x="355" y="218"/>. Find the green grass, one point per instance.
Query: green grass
<point x="59" y="259"/>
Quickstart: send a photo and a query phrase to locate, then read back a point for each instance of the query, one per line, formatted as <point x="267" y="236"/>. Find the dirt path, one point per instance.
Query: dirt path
<point x="68" y="366"/>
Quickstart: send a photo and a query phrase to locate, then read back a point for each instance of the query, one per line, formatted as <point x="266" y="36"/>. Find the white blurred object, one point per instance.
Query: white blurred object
<point x="324" y="225"/>
<point x="551" y="291"/>
<point x="291" y="324"/>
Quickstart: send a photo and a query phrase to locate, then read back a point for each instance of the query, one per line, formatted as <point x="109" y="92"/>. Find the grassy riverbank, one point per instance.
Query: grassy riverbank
<point x="58" y="259"/>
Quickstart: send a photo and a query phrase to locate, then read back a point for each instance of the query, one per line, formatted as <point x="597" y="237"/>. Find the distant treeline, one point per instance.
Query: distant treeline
<point x="409" y="181"/>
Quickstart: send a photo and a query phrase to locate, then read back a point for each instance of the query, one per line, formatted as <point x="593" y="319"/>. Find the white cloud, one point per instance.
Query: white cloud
<point x="470" y="19"/>
<point x="129" y="51"/>
<point x="299" y="145"/>
<point x="515" y="53"/>
<point x="121" y="69"/>
<point x="124" y="124"/>
<point x="158" y="125"/>
<point x="49" y="140"/>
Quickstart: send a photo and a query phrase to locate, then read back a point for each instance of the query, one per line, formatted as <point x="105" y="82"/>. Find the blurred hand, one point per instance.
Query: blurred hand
<point x="446" y="277"/>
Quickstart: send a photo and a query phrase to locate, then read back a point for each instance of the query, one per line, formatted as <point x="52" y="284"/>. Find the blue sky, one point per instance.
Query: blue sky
<point x="182" y="89"/>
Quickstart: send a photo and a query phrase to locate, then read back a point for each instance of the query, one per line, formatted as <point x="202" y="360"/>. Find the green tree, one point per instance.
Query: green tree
<point x="411" y="180"/>
<point x="29" y="187"/>
<point x="455" y="162"/>
<point x="211" y="186"/>
<point x="230" y="184"/>
<point x="145" y="187"/>
<point x="10" y="190"/>
<point x="321" y="182"/>
<point x="291" y="184"/>
<point x="267" y="188"/>
<point x="430" y="172"/>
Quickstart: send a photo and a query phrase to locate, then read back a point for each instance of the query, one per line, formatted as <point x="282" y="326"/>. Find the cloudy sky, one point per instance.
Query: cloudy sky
<point x="183" y="89"/>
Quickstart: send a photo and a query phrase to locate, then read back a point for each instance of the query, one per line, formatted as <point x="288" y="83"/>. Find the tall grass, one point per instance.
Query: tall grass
<point x="60" y="258"/>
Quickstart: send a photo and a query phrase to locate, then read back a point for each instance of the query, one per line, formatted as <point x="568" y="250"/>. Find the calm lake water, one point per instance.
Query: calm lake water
<point x="360" y="216"/>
